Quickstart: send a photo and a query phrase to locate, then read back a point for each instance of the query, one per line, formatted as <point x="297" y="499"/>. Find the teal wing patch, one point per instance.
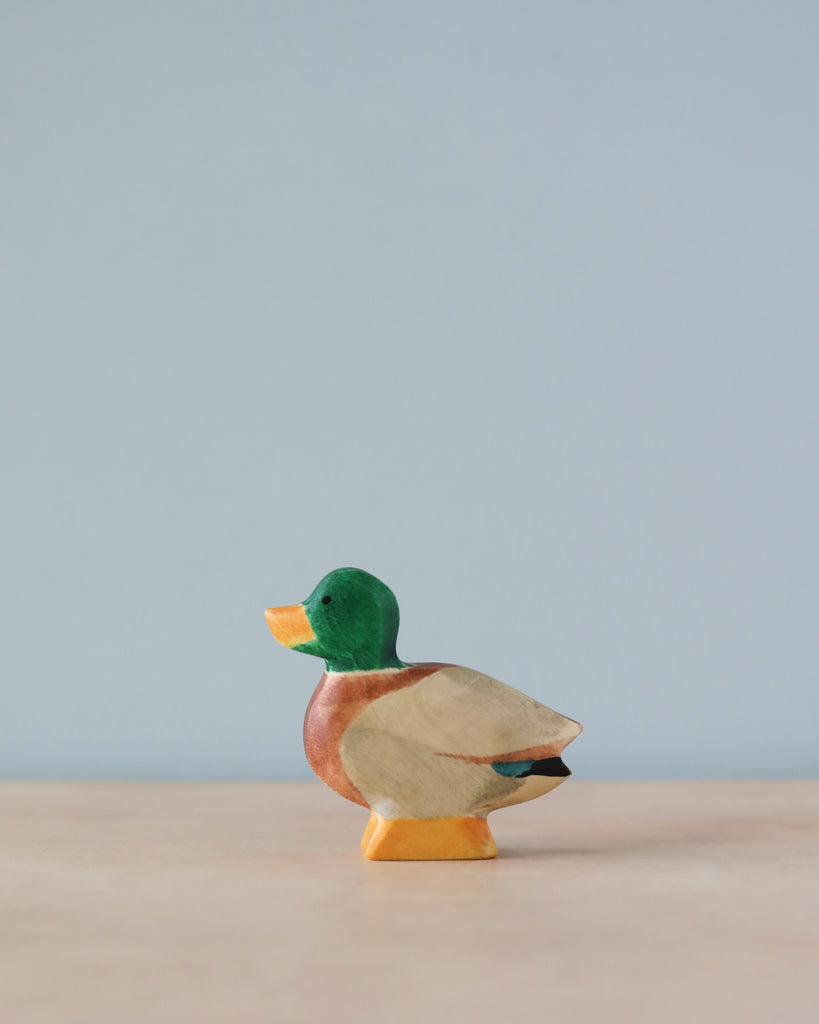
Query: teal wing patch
<point x="512" y="768"/>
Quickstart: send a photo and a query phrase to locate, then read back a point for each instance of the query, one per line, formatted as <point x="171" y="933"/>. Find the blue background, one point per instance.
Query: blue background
<point x="514" y="305"/>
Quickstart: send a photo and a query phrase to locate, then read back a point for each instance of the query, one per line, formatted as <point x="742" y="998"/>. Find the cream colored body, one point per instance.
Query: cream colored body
<point x="413" y="752"/>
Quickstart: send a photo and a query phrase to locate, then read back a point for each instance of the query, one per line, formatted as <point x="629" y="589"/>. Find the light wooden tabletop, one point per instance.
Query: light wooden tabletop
<point x="622" y="901"/>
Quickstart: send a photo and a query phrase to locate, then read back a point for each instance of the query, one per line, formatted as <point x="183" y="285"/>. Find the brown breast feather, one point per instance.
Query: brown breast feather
<point x="339" y="699"/>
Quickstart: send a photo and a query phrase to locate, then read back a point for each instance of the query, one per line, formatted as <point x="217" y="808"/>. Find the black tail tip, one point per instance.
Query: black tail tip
<point x="552" y="766"/>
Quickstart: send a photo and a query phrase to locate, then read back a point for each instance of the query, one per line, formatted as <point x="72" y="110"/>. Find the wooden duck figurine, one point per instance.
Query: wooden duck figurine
<point x="430" y="748"/>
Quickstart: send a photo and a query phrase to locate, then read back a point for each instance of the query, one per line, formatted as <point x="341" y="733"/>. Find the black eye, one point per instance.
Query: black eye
<point x="326" y="599"/>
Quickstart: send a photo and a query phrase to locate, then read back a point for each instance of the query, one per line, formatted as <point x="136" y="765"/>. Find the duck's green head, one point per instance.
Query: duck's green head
<point x="350" y="620"/>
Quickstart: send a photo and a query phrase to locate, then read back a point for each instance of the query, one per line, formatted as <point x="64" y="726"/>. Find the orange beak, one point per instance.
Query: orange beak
<point x="290" y="625"/>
